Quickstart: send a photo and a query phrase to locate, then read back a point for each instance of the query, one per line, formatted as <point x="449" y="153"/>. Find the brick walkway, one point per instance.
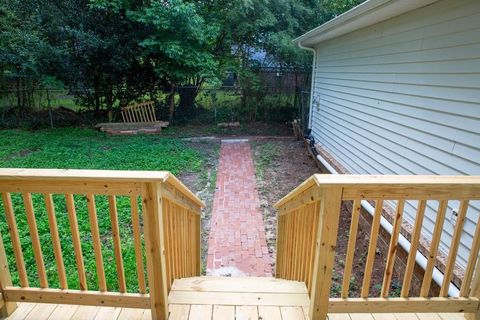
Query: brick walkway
<point x="237" y="243"/>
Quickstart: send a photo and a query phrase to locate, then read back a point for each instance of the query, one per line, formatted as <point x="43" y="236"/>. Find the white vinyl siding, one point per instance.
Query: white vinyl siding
<point x="403" y="97"/>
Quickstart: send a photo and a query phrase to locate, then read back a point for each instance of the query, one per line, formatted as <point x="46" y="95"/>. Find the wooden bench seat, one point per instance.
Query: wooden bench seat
<point x="137" y="118"/>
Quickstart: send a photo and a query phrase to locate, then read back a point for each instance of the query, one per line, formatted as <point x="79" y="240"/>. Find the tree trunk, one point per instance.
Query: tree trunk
<point x="96" y="95"/>
<point x="19" y="99"/>
<point x="171" y="103"/>
<point x="109" y="101"/>
<point x="186" y="104"/>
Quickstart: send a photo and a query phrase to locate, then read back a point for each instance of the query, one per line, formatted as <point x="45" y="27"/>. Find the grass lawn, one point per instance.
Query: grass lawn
<point x="84" y="149"/>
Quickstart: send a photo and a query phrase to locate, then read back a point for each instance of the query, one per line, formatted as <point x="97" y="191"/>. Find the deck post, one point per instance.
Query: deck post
<point x="6" y="308"/>
<point x="475" y="292"/>
<point x="329" y="216"/>
<point x="155" y="249"/>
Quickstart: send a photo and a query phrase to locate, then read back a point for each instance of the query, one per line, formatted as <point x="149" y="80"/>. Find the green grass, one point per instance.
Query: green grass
<point x="84" y="149"/>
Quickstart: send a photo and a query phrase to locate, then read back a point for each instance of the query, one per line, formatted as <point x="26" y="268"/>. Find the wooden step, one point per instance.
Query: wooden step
<point x="252" y="291"/>
<point x="239" y="284"/>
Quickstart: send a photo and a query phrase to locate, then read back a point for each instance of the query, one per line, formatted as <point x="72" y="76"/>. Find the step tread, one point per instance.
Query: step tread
<point x="239" y="285"/>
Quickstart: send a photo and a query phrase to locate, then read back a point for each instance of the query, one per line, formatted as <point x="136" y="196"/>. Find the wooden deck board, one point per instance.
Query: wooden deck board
<point x="217" y="299"/>
<point x="38" y="311"/>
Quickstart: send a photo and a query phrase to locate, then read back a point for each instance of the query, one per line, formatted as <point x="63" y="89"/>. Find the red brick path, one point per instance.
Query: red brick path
<point x="237" y="237"/>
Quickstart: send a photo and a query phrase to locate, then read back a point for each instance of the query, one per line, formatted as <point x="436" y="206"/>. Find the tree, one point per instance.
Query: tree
<point x="24" y="50"/>
<point x="180" y="45"/>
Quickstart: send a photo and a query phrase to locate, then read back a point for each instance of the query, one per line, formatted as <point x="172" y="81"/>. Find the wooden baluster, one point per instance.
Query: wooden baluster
<point x="372" y="248"/>
<point x="284" y="246"/>
<point x="180" y="241"/>
<point x="123" y="115"/>
<point x="452" y="256"/>
<point x="117" y="245"/>
<point x="308" y="244"/>
<point x="192" y="244"/>
<point x="17" y="248"/>
<point x="193" y="252"/>
<point x="57" y="249"/>
<point x="97" y="245"/>
<point x="316" y="216"/>
<point x="326" y="241"/>
<point x="437" y="232"/>
<point x="37" y="249"/>
<point x="6" y="308"/>
<point x="186" y="249"/>
<point x="294" y="257"/>
<point x="288" y="258"/>
<point x="472" y="262"/>
<point x="185" y="252"/>
<point x="198" y="247"/>
<point x="154" y="237"/>
<point x="352" y="239"/>
<point x="279" y="246"/>
<point x="137" y="240"/>
<point x="168" y="254"/>
<point x="392" y="249"/>
<point x="173" y="245"/>
<point x="303" y="245"/>
<point x="77" y="246"/>
<point x="288" y="242"/>
<point x="422" y="204"/>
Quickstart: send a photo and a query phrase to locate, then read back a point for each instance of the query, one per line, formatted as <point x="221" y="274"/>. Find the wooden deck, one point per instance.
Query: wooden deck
<point x="216" y="298"/>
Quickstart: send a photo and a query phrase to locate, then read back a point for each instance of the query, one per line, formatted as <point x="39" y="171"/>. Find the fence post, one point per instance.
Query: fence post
<point x="6" y="308"/>
<point x="155" y="249"/>
<point x="329" y="215"/>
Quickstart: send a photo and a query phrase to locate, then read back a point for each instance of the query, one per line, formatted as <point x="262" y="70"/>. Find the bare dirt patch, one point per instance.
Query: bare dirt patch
<point x="203" y="184"/>
<point x="280" y="167"/>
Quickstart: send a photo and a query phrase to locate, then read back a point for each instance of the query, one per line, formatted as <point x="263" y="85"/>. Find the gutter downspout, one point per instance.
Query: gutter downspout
<point x="310" y="112"/>
<point x="437" y="275"/>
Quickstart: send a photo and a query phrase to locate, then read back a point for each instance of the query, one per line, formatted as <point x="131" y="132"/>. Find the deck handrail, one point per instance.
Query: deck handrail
<point x="308" y="220"/>
<point x="171" y="233"/>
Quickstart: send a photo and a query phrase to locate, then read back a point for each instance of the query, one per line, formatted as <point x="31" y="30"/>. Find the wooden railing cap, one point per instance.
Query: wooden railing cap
<point x="20" y="174"/>
<point x="380" y="181"/>
<point x="89" y="175"/>
<point x="388" y="180"/>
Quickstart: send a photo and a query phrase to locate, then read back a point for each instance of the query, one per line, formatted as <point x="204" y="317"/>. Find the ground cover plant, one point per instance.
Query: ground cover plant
<point x="85" y="149"/>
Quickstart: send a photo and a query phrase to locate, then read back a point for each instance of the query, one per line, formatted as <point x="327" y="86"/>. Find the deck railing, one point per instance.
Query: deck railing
<point x="308" y="221"/>
<point x="169" y="237"/>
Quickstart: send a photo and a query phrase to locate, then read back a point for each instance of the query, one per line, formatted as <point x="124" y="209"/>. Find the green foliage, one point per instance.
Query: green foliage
<point x="79" y="148"/>
<point x="180" y="41"/>
<point x="110" y="53"/>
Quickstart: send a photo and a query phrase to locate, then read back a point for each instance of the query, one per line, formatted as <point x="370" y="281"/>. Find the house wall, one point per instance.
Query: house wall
<point x="403" y="97"/>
